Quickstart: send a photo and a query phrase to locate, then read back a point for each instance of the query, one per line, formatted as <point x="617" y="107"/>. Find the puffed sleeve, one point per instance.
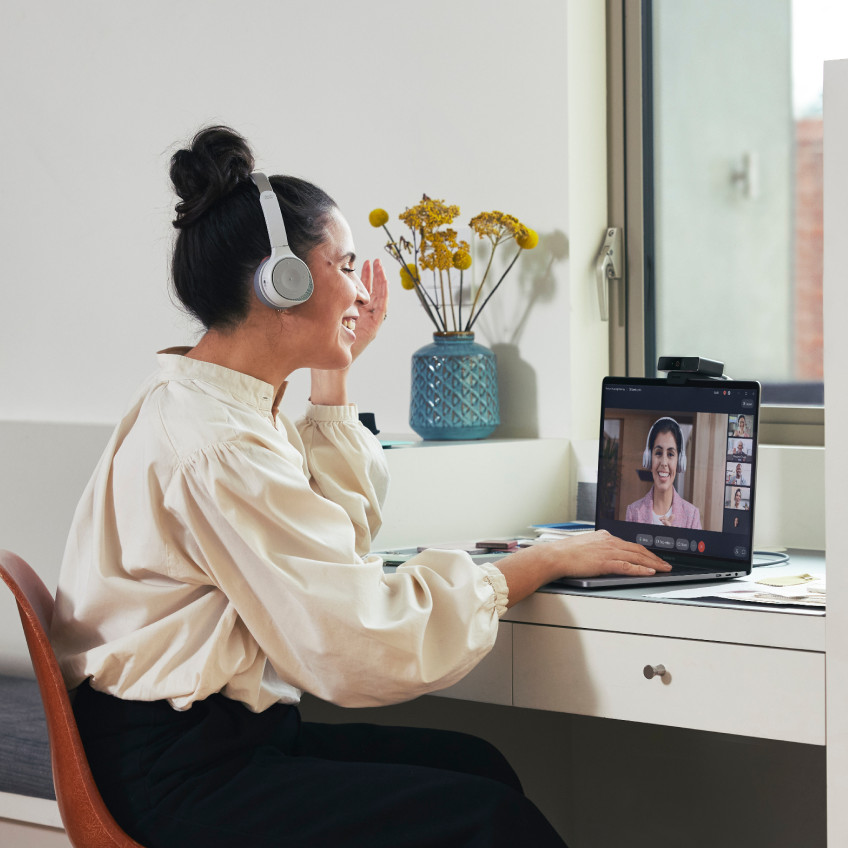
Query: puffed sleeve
<point x="346" y="464"/>
<point x="328" y="621"/>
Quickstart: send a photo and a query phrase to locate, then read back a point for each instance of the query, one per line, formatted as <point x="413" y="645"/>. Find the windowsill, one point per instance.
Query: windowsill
<point x="792" y="425"/>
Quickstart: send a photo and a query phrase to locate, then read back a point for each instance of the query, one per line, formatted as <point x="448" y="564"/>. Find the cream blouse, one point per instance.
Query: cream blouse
<point x="219" y="548"/>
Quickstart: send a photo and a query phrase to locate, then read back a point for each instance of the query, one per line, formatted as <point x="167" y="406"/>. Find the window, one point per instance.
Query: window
<point x="716" y="128"/>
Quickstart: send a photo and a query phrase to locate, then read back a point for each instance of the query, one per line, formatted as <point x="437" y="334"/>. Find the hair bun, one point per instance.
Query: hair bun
<point x="217" y="160"/>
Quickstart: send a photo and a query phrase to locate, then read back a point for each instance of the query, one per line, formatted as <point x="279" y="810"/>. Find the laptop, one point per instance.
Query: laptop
<point x="687" y="450"/>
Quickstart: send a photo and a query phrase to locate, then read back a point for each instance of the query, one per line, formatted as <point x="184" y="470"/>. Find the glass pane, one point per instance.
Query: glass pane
<point x="737" y="130"/>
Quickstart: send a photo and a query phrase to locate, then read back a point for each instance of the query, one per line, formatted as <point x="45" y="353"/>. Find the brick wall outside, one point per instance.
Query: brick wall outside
<point x="808" y="249"/>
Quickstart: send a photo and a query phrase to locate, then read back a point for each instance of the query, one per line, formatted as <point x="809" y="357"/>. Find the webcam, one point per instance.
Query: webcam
<point x="691" y="366"/>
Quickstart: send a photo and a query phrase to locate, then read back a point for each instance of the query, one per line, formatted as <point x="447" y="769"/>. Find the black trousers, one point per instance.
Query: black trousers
<point x="221" y="775"/>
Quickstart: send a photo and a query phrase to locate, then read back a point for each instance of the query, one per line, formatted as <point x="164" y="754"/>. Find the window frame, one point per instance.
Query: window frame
<point x="630" y="203"/>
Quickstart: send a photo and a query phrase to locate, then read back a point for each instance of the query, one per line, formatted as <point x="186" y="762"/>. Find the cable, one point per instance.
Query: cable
<point x="779" y="559"/>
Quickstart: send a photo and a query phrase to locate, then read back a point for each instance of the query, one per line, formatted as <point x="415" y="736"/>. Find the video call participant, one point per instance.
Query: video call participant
<point x="739" y="452"/>
<point x="737" y="500"/>
<point x="737" y="478"/>
<point x="217" y="566"/>
<point x="664" y="454"/>
<point x="742" y="428"/>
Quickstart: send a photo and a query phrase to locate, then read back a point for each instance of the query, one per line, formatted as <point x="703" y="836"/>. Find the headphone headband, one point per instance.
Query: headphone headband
<point x="271" y="210"/>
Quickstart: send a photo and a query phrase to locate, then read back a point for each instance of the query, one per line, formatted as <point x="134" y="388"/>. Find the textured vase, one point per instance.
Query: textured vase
<point x="454" y="389"/>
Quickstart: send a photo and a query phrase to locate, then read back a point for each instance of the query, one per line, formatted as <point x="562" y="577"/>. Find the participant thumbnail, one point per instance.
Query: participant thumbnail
<point x="737" y="497"/>
<point x="740" y="426"/>
<point x="737" y="521"/>
<point x="739" y="450"/>
<point x="738" y="474"/>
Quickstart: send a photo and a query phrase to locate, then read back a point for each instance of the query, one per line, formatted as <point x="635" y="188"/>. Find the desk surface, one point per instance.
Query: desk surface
<point x="638" y="610"/>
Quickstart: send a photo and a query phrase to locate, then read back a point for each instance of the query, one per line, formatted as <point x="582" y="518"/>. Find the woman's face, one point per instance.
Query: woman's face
<point x="737" y="497"/>
<point x="664" y="461"/>
<point x="741" y="423"/>
<point x="328" y="318"/>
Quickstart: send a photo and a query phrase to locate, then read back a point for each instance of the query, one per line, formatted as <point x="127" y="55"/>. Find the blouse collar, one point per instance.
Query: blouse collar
<point x="250" y="390"/>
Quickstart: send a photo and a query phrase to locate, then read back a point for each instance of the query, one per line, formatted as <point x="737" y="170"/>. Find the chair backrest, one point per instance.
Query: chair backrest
<point x="87" y="821"/>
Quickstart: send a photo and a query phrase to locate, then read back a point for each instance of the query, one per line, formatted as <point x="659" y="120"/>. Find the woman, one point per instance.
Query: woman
<point x="742" y="428"/>
<point x="218" y="566"/>
<point x="664" y="453"/>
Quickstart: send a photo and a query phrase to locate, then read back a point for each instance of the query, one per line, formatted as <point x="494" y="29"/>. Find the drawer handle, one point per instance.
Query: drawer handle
<point x="654" y="671"/>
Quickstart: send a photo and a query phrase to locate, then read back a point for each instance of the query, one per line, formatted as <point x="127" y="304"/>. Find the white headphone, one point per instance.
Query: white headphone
<point x="681" y="459"/>
<point x="281" y="280"/>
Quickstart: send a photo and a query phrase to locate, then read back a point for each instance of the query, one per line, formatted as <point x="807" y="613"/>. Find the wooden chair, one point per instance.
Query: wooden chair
<point x="87" y="821"/>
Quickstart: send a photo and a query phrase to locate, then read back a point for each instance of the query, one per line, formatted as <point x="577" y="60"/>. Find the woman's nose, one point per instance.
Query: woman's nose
<point x="362" y="295"/>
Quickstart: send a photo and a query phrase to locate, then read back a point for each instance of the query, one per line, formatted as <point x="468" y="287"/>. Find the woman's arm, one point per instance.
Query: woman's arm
<point x="586" y="555"/>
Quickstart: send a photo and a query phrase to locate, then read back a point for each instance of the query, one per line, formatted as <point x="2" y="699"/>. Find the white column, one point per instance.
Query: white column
<point x="836" y="440"/>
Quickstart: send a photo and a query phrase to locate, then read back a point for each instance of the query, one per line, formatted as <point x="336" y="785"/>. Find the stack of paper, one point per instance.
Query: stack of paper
<point x="811" y="593"/>
<point x="785" y="590"/>
<point x="549" y="532"/>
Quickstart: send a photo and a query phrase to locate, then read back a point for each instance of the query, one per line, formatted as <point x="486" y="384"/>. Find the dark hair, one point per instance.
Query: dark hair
<point x="666" y="425"/>
<point x="222" y="236"/>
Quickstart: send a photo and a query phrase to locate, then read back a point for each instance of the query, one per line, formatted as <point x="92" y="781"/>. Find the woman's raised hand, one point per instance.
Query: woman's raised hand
<point x="373" y="313"/>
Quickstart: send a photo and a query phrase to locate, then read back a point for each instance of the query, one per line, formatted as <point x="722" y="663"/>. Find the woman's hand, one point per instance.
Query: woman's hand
<point x="586" y="555"/>
<point x="373" y="313"/>
<point x="330" y="387"/>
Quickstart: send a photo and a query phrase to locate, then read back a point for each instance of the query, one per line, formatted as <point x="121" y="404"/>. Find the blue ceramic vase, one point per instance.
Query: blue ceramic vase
<point x="454" y="389"/>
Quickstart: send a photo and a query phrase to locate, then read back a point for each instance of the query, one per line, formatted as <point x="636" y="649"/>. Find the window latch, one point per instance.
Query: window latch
<point x="609" y="267"/>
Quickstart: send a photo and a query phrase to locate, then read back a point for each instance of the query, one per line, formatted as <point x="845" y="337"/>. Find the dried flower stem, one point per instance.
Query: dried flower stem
<point x="497" y="284"/>
<point x="480" y="288"/>
<point x="394" y="250"/>
<point x="461" y="273"/>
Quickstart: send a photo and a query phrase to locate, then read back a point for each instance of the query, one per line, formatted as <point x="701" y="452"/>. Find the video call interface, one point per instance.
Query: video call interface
<point x="677" y="468"/>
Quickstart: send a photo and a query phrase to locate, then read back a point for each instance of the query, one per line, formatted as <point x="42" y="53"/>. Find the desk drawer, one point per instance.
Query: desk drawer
<point x="766" y="692"/>
<point x="491" y="680"/>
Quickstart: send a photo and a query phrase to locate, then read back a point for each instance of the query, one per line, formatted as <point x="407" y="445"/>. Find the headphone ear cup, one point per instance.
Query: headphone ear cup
<point x="292" y="280"/>
<point x="281" y="282"/>
<point x="646" y="458"/>
<point x="260" y="284"/>
<point x="681" y="462"/>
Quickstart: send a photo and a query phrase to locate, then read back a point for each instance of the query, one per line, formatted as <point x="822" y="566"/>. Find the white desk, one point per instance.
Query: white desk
<point x="753" y="671"/>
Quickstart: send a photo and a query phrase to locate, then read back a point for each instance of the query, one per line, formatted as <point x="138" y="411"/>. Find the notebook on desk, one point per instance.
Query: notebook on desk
<point x="677" y="473"/>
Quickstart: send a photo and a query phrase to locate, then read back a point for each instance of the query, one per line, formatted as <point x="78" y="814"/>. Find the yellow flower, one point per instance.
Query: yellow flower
<point x="528" y="241"/>
<point x="409" y="276"/>
<point x="378" y="217"/>
<point x="462" y="260"/>
<point x="496" y="225"/>
<point x="437" y="250"/>
<point x="429" y="215"/>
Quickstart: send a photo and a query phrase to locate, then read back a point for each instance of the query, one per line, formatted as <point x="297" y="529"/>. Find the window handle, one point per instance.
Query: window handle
<point x="609" y="267"/>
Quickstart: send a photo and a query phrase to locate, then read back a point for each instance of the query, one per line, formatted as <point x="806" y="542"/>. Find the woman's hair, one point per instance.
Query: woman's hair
<point x="222" y="236"/>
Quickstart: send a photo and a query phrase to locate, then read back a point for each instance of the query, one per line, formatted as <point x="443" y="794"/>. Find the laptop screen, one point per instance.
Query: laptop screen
<point x="677" y="467"/>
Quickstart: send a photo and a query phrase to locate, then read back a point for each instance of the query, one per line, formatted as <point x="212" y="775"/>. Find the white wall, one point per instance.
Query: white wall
<point x="377" y="101"/>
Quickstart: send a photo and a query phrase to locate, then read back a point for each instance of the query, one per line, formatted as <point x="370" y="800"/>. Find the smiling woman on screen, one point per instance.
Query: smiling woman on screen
<point x="665" y="455"/>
